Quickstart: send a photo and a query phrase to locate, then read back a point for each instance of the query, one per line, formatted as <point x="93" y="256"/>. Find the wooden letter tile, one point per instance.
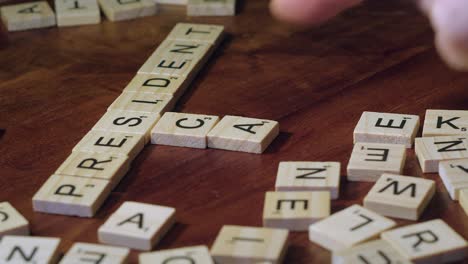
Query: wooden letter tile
<point x="137" y="225"/>
<point x="243" y="134"/>
<point x="386" y="128"/>
<point x="11" y="221"/>
<point x="114" y="143"/>
<point x="26" y="249"/>
<point x="69" y="195"/>
<point x="463" y="199"/>
<point x="295" y="211"/>
<point x="400" y="196"/>
<point x="348" y="227"/>
<point x="183" y="130"/>
<point x="431" y="150"/>
<point x="202" y="33"/>
<point x="172" y="2"/>
<point x="95" y="165"/>
<point x="373" y="252"/>
<point x="117" y="10"/>
<point x="77" y="12"/>
<point x="159" y="84"/>
<point x="95" y="253"/>
<point x="177" y="58"/>
<point x="239" y="244"/>
<point x="429" y="242"/>
<point x="370" y="160"/>
<point x="27" y="16"/>
<point x="309" y="176"/>
<point x="454" y="174"/>
<point x="127" y="122"/>
<point x="211" y="7"/>
<point x="143" y="102"/>
<point x="445" y="123"/>
<point x="191" y="255"/>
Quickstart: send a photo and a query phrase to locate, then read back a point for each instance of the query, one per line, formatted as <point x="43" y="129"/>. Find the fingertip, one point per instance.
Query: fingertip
<point x="308" y="12"/>
<point x="452" y="52"/>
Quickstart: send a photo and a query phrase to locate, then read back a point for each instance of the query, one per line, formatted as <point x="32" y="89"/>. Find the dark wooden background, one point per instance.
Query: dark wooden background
<point x="56" y="83"/>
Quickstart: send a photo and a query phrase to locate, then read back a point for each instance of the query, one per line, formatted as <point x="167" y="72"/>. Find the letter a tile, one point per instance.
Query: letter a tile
<point x="27" y="16"/>
<point x="400" y="196"/>
<point x="370" y="160"/>
<point x="239" y="244"/>
<point x="431" y="150"/>
<point x="243" y="134"/>
<point x="137" y="225"/>
<point x="429" y="242"/>
<point x="348" y="227"/>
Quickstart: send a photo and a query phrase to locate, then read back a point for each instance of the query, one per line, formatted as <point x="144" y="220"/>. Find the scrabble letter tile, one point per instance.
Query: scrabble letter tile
<point x="202" y="33"/>
<point x="137" y="225"/>
<point x="370" y="160"/>
<point x="295" y="211"/>
<point x="177" y="58"/>
<point x="463" y="198"/>
<point x="114" y="143"/>
<point x="183" y="130"/>
<point x="431" y="150"/>
<point x="95" y="165"/>
<point x="191" y="255"/>
<point x="386" y="128"/>
<point x="172" y="2"/>
<point x="11" y="221"/>
<point x="26" y="249"/>
<point x="211" y="7"/>
<point x="428" y="242"/>
<point x="239" y="244"/>
<point x="445" y="123"/>
<point x="454" y="174"/>
<point x="376" y="251"/>
<point x="127" y="122"/>
<point x="95" y="253"/>
<point x="348" y="227"/>
<point x="27" y="16"/>
<point x="158" y="84"/>
<point x="117" y="10"/>
<point x="243" y="134"/>
<point x="143" y="102"/>
<point x="77" y="12"/>
<point x="69" y="195"/>
<point x="400" y="196"/>
<point x="309" y="176"/>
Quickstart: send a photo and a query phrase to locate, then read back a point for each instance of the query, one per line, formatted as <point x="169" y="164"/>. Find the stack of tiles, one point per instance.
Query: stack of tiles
<point x="380" y="146"/>
<point x="303" y="194"/>
<point x="100" y="160"/>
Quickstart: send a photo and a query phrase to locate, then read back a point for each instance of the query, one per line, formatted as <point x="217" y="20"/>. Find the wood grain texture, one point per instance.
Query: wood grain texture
<point x="56" y="83"/>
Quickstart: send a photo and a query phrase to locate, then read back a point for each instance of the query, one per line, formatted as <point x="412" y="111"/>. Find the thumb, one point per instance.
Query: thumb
<point x="308" y="12"/>
<point x="449" y="19"/>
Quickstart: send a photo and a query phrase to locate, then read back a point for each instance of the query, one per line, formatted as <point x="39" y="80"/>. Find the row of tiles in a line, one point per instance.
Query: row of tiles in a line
<point x="85" y="12"/>
<point x="345" y="233"/>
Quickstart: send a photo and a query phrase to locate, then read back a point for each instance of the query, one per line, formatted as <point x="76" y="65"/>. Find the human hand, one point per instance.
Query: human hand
<point x="449" y="18"/>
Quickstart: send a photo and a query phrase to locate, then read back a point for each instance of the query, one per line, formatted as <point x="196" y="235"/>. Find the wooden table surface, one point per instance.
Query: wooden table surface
<point x="56" y="83"/>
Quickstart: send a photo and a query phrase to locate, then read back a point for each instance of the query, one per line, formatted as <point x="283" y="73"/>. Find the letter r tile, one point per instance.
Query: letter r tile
<point x="428" y="242"/>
